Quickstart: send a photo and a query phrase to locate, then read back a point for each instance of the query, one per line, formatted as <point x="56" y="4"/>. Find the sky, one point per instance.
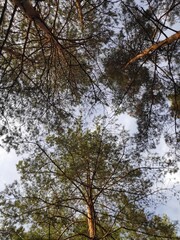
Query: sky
<point x="8" y="171"/>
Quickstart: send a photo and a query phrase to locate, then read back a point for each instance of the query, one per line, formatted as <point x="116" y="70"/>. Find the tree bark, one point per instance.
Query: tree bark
<point x="80" y="14"/>
<point x="91" y="221"/>
<point x="27" y="8"/>
<point x="90" y="207"/>
<point x="154" y="47"/>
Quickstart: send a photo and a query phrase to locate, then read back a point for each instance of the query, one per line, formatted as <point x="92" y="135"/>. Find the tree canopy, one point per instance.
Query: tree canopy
<point x="56" y="53"/>
<point x="85" y="184"/>
<point x="58" y="57"/>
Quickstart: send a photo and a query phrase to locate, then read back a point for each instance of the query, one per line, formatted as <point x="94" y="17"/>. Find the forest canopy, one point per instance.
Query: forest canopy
<point x="61" y="64"/>
<point x="86" y="184"/>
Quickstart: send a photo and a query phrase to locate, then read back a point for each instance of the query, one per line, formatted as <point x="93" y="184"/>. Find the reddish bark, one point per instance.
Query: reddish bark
<point x="155" y="47"/>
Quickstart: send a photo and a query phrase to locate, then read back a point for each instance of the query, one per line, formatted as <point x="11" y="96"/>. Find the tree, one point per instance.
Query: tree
<point x="55" y="54"/>
<point x="142" y="70"/>
<point x="52" y="56"/>
<point x="39" y="233"/>
<point x="86" y="184"/>
<point x="48" y="53"/>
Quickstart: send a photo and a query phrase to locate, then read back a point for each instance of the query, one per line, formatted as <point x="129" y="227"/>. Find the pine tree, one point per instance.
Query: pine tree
<point x="85" y="184"/>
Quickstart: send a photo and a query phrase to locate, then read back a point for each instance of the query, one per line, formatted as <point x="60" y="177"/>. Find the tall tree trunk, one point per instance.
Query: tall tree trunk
<point x="91" y="220"/>
<point x="90" y="207"/>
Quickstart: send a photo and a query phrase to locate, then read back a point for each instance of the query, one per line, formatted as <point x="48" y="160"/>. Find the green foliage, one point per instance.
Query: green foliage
<point x="175" y="104"/>
<point x="76" y="168"/>
<point x="141" y="88"/>
<point x="56" y="55"/>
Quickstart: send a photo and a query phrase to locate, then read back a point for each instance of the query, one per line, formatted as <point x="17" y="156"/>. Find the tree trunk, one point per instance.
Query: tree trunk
<point x="91" y="221"/>
<point x="90" y="207"/>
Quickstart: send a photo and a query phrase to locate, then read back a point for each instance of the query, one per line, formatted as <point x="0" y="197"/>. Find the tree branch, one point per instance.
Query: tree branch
<point x="33" y="15"/>
<point x="154" y="47"/>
